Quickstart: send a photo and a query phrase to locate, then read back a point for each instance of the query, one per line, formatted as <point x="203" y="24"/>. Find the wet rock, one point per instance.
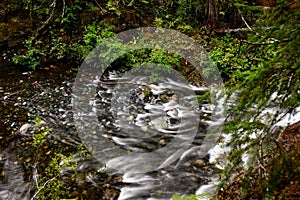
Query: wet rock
<point x="162" y="142"/>
<point x="207" y="108"/>
<point x="187" y="164"/>
<point x="24" y="129"/>
<point x="110" y="194"/>
<point x="74" y="194"/>
<point x="80" y="179"/>
<point x="199" y="163"/>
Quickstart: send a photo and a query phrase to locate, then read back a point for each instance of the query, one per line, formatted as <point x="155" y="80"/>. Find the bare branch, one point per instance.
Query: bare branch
<point x="44" y="185"/>
<point x="244" y="20"/>
<point x="49" y="19"/>
<point x="42" y="4"/>
<point x="63" y="9"/>
<point x="222" y="30"/>
<point x="267" y="42"/>
<point x="100" y="6"/>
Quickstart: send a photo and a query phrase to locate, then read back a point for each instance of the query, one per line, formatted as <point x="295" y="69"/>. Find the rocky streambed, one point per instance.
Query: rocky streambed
<point x="42" y="151"/>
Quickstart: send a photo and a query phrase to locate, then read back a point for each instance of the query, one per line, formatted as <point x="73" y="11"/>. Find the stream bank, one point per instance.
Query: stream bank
<point x="37" y="136"/>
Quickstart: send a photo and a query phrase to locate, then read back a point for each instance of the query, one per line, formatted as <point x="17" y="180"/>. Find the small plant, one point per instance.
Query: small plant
<point x="72" y="16"/>
<point x="31" y="57"/>
<point x="50" y="163"/>
<point x="113" y="5"/>
<point x="93" y="35"/>
<point x="230" y="55"/>
<point x="40" y="133"/>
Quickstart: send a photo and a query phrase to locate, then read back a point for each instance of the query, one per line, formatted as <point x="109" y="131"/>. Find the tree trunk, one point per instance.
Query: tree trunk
<point x="211" y="14"/>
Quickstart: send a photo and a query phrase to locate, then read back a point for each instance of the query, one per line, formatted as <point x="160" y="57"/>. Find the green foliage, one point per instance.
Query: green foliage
<point x="231" y="55"/>
<point x="93" y="35"/>
<point x="39" y="138"/>
<point x="162" y="57"/>
<point x="40" y="133"/>
<point x="37" y="51"/>
<point x="133" y="60"/>
<point x="56" y="26"/>
<point x="273" y="79"/>
<point x="182" y="15"/>
<point x="31" y="57"/>
<point x="46" y="160"/>
<point x="72" y="16"/>
<point x="113" y="5"/>
<point x="51" y="184"/>
<point x="50" y="180"/>
<point x="205" y="98"/>
<point x="119" y="7"/>
<point x="54" y="189"/>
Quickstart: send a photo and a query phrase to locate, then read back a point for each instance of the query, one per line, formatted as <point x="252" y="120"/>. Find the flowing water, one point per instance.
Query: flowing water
<point x="165" y="133"/>
<point x="156" y="135"/>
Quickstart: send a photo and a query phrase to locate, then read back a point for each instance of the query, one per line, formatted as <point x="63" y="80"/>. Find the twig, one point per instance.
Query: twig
<point x="63" y="11"/>
<point x="5" y="98"/>
<point x="37" y="85"/>
<point x="49" y="3"/>
<point x="222" y="30"/>
<point x="264" y="173"/>
<point x="269" y="40"/>
<point x="244" y="20"/>
<point x="49" y="19"/>
<point x="44" y="185"/>
<point x="231" y="30"/>
<point x="100" y="6"/>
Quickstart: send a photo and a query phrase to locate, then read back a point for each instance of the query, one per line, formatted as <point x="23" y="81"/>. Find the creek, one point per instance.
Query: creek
<point x="138" y="118"/>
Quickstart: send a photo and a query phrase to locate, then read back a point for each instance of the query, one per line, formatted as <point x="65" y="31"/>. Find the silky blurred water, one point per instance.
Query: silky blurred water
<point x="165" y="131"/>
